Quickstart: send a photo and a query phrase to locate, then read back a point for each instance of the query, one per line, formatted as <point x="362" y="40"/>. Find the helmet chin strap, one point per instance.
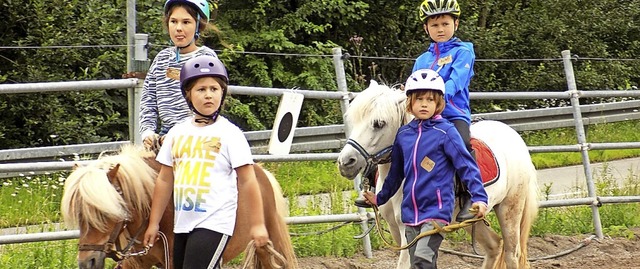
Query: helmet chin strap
<point x="207" y="118"/>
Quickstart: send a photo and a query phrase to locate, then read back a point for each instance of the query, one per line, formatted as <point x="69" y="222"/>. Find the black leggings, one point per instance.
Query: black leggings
<point x="199" y="249"/>
<point x="463" y="129"/>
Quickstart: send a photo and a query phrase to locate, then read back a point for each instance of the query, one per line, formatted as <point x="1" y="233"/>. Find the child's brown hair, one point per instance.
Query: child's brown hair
<point x="436" y="95"/>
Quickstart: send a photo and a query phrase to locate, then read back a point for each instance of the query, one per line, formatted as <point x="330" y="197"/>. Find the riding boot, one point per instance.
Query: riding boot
<point x="464" y="198"/>
<point x="371" y="177"/>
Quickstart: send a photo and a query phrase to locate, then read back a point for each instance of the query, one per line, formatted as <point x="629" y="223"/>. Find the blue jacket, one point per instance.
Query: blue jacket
<point x="427" y="154"/>
<point x="457" y="59"/>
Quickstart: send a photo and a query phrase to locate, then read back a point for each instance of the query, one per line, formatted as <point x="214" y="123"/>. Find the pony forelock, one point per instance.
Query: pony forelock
<point x="89" y="197"/>
<point x="377" y="102"/>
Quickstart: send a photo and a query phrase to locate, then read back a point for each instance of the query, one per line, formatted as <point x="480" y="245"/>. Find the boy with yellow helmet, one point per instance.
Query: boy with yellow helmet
<point x="453" y="59"/>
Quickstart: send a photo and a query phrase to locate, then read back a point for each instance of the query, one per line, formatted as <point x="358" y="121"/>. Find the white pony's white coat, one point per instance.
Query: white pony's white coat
<point x="374" y="117"/>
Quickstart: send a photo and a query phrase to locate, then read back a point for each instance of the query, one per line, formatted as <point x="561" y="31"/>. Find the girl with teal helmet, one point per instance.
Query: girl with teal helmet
<point x="202" y="14"/>
<point x="162" y="105"/>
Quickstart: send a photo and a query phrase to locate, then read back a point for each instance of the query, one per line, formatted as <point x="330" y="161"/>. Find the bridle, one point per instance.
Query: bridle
<point x="112" y="248"/>
<point x="381" y="157"/>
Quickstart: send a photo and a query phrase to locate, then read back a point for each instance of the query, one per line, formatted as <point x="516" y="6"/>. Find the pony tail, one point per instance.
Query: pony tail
<point x="529" y="214"/>
<point x="279" y="233"/>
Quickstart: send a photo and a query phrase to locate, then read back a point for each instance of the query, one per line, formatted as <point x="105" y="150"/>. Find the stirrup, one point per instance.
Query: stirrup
<point x="361" y="202"/>
<point x="464" y="213"/>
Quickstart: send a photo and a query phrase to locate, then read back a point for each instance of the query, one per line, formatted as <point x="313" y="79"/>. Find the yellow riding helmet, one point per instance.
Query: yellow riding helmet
<point x="430" y="8"/>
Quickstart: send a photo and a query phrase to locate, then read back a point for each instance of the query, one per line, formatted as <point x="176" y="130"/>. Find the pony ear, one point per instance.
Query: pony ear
<point x="113" y="172"/>
<point x="401" y="97"/>
<point x="373" y="83"/>
<point x="75" y="166"/>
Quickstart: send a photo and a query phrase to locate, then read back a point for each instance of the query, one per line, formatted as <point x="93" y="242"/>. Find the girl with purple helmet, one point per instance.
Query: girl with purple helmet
<point x="203" y="173"/>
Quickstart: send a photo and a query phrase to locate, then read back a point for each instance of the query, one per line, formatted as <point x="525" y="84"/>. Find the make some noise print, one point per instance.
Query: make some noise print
<point x="195" y="160"/>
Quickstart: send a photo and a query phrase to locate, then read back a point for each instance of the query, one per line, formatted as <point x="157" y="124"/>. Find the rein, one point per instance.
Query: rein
<point x="277" y="261"/>
<point x="437" y="228"/>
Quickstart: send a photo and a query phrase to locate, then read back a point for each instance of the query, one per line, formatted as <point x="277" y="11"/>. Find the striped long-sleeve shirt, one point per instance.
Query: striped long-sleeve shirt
<point x="161" y="101"/>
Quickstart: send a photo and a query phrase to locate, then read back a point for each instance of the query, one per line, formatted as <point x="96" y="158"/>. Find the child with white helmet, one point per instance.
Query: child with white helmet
<point x="162" y="105"/>
<point x="206" y="161"/>
<point x="453" y="59"/>
<point x="427" y="153"/>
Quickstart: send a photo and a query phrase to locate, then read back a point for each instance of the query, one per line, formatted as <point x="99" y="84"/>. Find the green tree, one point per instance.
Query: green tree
<point x="517" y="43"/>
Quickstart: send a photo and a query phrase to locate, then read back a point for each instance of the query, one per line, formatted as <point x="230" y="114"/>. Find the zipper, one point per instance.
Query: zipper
<point x="415" y="174"/>
<point x="437" y="56"/>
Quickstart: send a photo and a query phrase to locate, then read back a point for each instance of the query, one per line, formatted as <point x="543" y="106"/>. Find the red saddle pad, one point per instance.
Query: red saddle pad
<point x="487" y="162"/>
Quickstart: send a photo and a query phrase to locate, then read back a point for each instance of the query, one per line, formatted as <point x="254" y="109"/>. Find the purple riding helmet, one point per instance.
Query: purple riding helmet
<point x="203" y="66"/>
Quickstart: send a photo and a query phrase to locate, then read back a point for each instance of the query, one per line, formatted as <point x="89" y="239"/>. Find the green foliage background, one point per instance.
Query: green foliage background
<point x="532" y="32"/>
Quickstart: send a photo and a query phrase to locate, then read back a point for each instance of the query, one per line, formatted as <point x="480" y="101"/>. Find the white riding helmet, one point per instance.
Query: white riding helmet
<point x="424" y="79"/>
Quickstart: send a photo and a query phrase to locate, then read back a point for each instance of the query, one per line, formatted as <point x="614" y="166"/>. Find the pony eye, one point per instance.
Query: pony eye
<point x="379" y="124"/>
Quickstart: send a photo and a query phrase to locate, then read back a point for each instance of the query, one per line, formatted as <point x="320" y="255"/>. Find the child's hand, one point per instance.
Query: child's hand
<point x="151" y="235"/>
<point x="370" y="198"/>
<point x="260" y="235"/>
<point x="480" y="208"/>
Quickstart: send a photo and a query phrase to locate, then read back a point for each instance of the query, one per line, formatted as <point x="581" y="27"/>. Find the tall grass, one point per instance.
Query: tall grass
<point x="31" y="199"/>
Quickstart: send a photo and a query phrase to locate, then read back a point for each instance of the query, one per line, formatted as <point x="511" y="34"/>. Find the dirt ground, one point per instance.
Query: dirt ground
<point x="604" y="253"/>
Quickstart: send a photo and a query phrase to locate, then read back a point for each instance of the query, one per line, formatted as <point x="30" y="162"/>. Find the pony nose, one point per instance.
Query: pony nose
<point x="94" y="261"/>
<point x="348" y="167"/>
<point x="349" y="162"/>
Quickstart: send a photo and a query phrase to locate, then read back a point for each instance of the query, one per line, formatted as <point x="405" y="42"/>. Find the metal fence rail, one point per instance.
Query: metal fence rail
<point x="331" y="137"/>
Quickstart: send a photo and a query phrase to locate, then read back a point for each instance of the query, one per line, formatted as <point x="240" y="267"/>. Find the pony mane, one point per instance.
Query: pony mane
<point x="377" y="102"/>
<point x="90" y="198"/>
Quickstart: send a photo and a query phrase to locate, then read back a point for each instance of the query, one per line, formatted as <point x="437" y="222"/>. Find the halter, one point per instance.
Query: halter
<point x="381" y="157"/>
<point x="112" y="247"/>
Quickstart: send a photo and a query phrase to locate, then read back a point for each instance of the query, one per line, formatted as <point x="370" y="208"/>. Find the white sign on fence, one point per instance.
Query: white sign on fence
<point x="285" y="123"/>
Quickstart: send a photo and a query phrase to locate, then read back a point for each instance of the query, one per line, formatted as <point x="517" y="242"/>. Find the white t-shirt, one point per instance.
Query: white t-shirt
<point x="205" y="191"/>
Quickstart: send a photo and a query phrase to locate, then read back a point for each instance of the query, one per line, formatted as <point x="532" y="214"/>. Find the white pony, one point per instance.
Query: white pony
<point x="377" y="113"/>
